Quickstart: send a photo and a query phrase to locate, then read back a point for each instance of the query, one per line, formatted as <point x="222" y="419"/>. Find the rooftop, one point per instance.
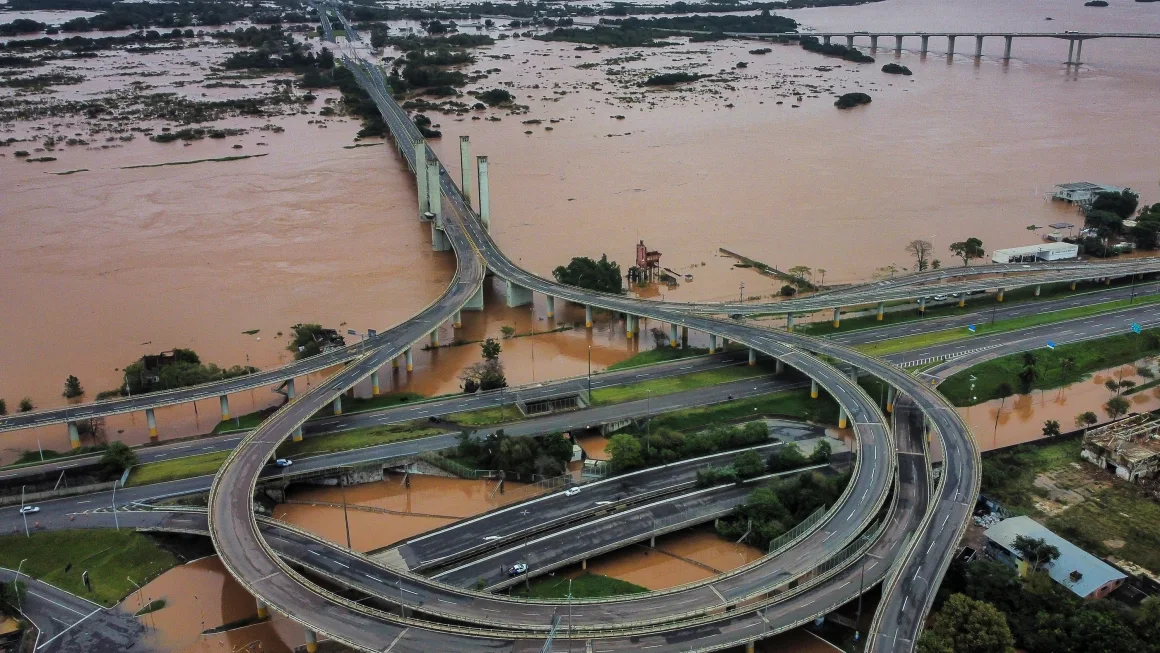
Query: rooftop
<point x="1133" y="440"/>
<point x="1042" y="247"/>
<point x="1085" y="185"/>
<point x="1094" y="572"/>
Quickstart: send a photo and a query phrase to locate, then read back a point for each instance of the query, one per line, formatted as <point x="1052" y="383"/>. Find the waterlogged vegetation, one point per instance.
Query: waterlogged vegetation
<point x="584" y="586"/>
<point x="672" y="384"/>
<point x="851" y="100"/>
<point x="812" y="44"/>
<point x="670" y="79"/>
<point x="772" y="511"/>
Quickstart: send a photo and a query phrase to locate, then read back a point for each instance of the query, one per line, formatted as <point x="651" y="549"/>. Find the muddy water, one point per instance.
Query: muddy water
<point x="679" y="558"/>
<point x="1022" y="416"/>
<point x="200" y="596"/>
<point x="392" y="511"/>
<point x="594" y="446"/>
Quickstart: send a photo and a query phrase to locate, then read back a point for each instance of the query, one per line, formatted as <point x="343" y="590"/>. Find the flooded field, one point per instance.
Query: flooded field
<point x="380" y="514"/>
<point x="678" y="558"/>
<point x="1021" y="417"/>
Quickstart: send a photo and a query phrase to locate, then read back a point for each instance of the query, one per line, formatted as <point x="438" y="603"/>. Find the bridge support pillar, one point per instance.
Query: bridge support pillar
<point x="1070" y="50"/>
<point x="587" y="317"/>
<point x="263" y="609"/>
<point x="434" y="337"/>
<point x="925" y="45"/>
<point x="813" y="388"/>
<point x="410" y="358"/>
<point x="1007" y="47"/>
<point x="337" y="405"/>
<point x="224" y="400"/>
<point x="1037" y="290"/>
<point x="1079" y="53"/>
<point x="484" y="194"/>
<point x="837" y="316"/>
<point x="476" y="301"/>
<point x="849" y="40"/>
<point x="922" y="305"/>
<point x="297" y="436"/>
<point x="978" y="46"/>
<point x="652" y="542"/>
<point x="881" y="310"/>
<point x="74" y="435"/>
<point x="517" y="295"/>
<point x="999" y="295"/>
<point x="950" y="45"/>
<point x="151" y="418"/>
<point x="778" y="367"/>
<point x="375" y="382"/>
<point x="551" y="306"/>
<point x="629" y="326"/>
<point x="1072" y="285"/>
<point x="841" y="417"/>
<point x="457" y="319"/>
<point x="962" y="300"/>
<point x="897" y="44"/>
<point x="1107" y="281"/>
<point x="890" y="394"/>
<point x="673" y="336"/>
<point x="439" y="242"/>
<point x="712" y="344"/>
<point x="789" y="322"/>
<point x="421" y="176"/>
<point x="465" y="168"/>
<point x="584" y="563"/>
<point x="290" y="389"/>
<point x="311" y="642"/>
<point x="752" y="356"/>
<point x="874" y="43"/>
<point x="395" y="363"/>
<point x="826" y="40"/>
<point x="724" y="343"/>
<point x="750" y="647"/>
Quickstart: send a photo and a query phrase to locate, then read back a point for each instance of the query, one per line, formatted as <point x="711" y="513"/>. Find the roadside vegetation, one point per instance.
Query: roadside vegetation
<point x="186" y="370"/>
<point x="772" y="511"/>
<point x="109" y="556"/>
<point x="583" y="272"/>
<point x="673" y="384"/>
<point x="543" y="455"/>
<point x="584" y="586"/>
<point x="658" y="355"/>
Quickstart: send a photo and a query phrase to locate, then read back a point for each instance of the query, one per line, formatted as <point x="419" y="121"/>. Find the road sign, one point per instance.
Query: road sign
<point x="351" y="332"/>
<point x="1136" y="328"/>
<point x="972" y="328"/>
<point x="1050" y="345"/>
<point x="372" y="333"/>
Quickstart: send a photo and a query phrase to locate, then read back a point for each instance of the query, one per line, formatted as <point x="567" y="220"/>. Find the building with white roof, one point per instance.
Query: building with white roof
<point x="1077" y="570"/>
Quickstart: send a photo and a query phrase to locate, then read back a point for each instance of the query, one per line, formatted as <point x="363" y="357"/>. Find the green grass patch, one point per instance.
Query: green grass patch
<point x="385" y="400"/>
<point x="790" y="403"/>
<point x="28" y="458"/>
<point x="1142" y="387"/>
<point x="244" y="422"/>
<point x="111" y="557"/>
<point x="355" y="439"/>
<point x="918" y="341"/>
<point x="654" y="356"/>
<point x="657" y="387"/>
<point x="1009" y="474"/>
<point x="178" y="468"/>
<point x="487" y="416"/>
<point x="1088" y="355"/>
<point x="583" y="587"/>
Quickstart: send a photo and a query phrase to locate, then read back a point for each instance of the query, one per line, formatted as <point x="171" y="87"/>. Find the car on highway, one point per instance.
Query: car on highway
<point x="29" y="510"/>
<point x="283" y="462"/>
<point x="517" y="569"/>
<point x="572" y="491"/>
<point x="939" y="298"/>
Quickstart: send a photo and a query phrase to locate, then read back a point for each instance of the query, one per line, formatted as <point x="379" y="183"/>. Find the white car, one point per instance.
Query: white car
<point x="517" y="569"/>
<point x="572" y="491"/>
<point x="283" y="462"/>
<point x="29" y="510"/>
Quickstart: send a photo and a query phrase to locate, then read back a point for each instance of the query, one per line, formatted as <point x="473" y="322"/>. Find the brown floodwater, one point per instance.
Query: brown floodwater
<point x="1022" y="416"/>
<point x="199" y="596"/>
<point x="679" y="558"/>
<point x="102" y="266"/>
<point x="386" y="512"/>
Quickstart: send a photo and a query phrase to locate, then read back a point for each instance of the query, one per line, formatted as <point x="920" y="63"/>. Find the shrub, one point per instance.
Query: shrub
<point x="850" y="100"/>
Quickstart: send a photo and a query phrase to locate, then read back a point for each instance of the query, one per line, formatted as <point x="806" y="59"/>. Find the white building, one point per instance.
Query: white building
<point x="1034" y="253"/>
<point x="1081" y="192"/>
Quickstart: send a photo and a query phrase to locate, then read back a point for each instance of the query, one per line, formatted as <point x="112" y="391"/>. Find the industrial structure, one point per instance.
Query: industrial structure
<point x="1129" y="448"/>
<point x="1085" y="575"/>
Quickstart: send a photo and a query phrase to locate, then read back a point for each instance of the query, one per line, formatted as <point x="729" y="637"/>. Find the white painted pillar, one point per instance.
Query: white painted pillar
<point x="457" y="319"/>
<point x="311" y="642"/>
<point x="1007" y="47"/>
<point x="1037" y="290"/>
<point x="290" y="389"/>
<point x="841" y="417"/>
<point x="779" y="366"/>
<point x="881" y="310"/>
<point x="410" y="359"/>
<point x="999" y="295"/>
<point x="263" y="609"/>
<point x="224" y="400"/>
<point x="673" y="336"/>
<point x="890" y="394"/>
<point x="752" y="356"/>
<point x="465" y="168"/>
<point x="922" y="305"/>
<point x="435" y="337"/>
<point x="375" y="379"/>
<point x="712" y="344"/>
<point x="789" y="322"/>
<point x="484" y="194"/>
<point x="337" y="405"/>
<point x="813" y="388"/>
<point x="588" y="317"/>
<point x="74" y="435"/>
<point x="421" y="176"/>
<point x="551" y="306"/>
<point x="837" y="316"/>
<point x="151" y="418"/>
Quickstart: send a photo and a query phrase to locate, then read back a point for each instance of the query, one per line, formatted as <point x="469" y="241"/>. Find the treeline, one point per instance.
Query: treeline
<point x="178" y="13"/>
<point x="272" y="49"/>
<point x="812" y="44"/>
<point x="546" y="455"/>
<point x="762" y="22"/>
<point x="663" y="445"/>
<point x="187" y="370"/>
<point x="770" y="512"/>
<point x="614" y="37"/>
<point x="583" y="272"/>
<point x="82" y="45"/>
<point x="1107" y="215"/>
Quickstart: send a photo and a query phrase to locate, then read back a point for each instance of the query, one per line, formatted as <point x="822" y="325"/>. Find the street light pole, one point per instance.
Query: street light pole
<point x="569" y="615"/>
<point x="116" y="520"/>
<point x="345" y="516"/>
<point x="22" y="513"/>
<point x="589" y="374"/>
<point x="16" y="588"/>
<point x="648" y="424"/>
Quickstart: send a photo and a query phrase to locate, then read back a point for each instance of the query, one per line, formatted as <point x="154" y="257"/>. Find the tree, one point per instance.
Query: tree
<point x="491" y="349"/>
<point x="822" y="275"/>
<point x="971" y="627"/>
<point x="1028" y="376"/>
<point x="1086" y="419"/>
<point x="72" y="388"/>
<point x="3" y="408"/>
<point x="935" y="264"/>
<point x="624" y="452"/>
<point x="1051" y="428"/>
<point x="583" y="272"/>
<point x="1112" y="385"/>
<point x="117" y="458"/>
<point x="26" y="404"/>
<point x="1123" y="203"/>
<point x="748" y="464"/>
<point x="507" y="330"/>
<point x="968" y="249"/>
<point x="1067" y="366"/>
<point x="1002" y="391"/>
<point x="788" y="291"/>
<point x="484" y="375"/>
<point x="921" y="251"/>
<point x="789" y="456"/>
<point x="821" y="453"/>
<point x="1036" y="551"/>
<point x="1117" y="406"/>
<point x="800" y="271"/>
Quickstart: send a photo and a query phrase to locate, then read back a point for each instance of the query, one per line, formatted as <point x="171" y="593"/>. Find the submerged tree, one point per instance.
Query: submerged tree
<point x="72" y="388"/>
<point x="971" y="248"/>
<point x="921" y="251"/>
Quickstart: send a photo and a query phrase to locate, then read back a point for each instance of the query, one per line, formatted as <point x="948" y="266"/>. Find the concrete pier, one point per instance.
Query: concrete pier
<point x="837" y="317"/>
<point x="74" y="435"/>
<point x="750" y="647"/>
<point x="712" y="344"/>
<point x="476" y="301"/>
<point x="290" y="389"/>
<point x="881" y="310"/>
<point x="922" y="305"/>
<point x="311" y="642"/>
<point x="1073" y="285"/>
<point x="778" y="366"/>
<point x="1079" y="53"/>
<point x="588" y="317"/>
<point x="962" y="299"/>
<point x="890" y="394"/>
<point x="517" y="295"/>
<point x="978" y="47"/>
<point x="1007" y="47"/>
<point x="874" y="43"/>
<point x="421" y="176"/>
<point x="410" y="358"/>
<point x="752" y="356"/>
<point x="224" y="400"/>
<point x="457" y="319"/>
<point x="789" y="322"/>
<point x="465" y="168"/>
<point x="337" y="405"/>
<point x="951" y="46"/>
<point x="629" y="326"/>
<point x="551" y="306"/>
<point x="898" y="44"/>
<point x="435" y="337"/>
<point x="439" y="241"/>
<point x="1037" y="290"/>
<point x="263" y="609"/>
<point x="841" y="417"/>
<point x="484" y="194"/>
<point x="395" y="362"/>
<point x="925" y="45"/>
<point x="849" y="41"/>
<point x="375" y="379"/>
<point x="813" y="388"/>
<point x="151" y="418"/>
<point x="673" y="336"/>
<point x="999" y="295"/>
<point x="1070" y="50"/>
<point x="826" y="40"/>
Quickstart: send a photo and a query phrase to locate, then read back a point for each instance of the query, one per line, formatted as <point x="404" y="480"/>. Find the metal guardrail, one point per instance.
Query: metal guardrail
<point x="779" y="543"/>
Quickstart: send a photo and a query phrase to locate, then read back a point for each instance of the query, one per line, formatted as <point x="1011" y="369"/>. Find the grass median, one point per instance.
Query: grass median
<point x="795" y="404"/>
<point x="918" y="341"/>
<point x="584" y="586"/>
<point x="111" y="558"/>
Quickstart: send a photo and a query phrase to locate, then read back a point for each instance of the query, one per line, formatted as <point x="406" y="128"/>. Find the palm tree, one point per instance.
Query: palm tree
<point x="1067" y="366"/>
<point x="822" y="272"/>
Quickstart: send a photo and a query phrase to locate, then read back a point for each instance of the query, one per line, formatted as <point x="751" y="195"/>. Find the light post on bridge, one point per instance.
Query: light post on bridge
<point x="22" y="513"/>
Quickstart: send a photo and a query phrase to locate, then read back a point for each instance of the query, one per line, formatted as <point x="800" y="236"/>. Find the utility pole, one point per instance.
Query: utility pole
<point x="345" y="515"/>
<point x="116" y="520"/>
<point x="589" y="374"/>
<point x="741" y="294"/>
<point x="569" y="615"/>
<point x="22" y="513"/>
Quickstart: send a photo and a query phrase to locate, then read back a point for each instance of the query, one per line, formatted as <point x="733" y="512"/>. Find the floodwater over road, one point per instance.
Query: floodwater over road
<point x="679" y="558"/>
<point x="1022" y="416"/>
